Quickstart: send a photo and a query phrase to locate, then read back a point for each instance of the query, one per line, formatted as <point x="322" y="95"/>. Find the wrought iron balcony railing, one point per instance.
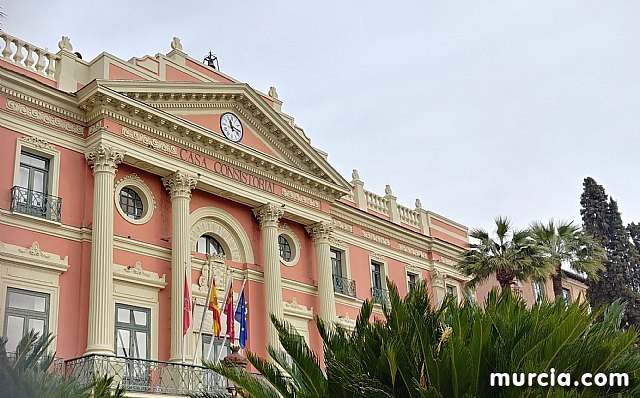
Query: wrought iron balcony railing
<point x="34" y="203"/>
<point x="146" y="376"/>
<point x="380" y="296"/>
<point x="344" y="286"/>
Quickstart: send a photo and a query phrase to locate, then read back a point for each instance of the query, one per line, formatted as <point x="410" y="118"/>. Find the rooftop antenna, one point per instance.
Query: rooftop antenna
<point x="211" y="61"/>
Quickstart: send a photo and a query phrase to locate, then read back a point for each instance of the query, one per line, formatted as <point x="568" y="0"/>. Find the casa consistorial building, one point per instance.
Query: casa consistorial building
<point x="122" y="178"/>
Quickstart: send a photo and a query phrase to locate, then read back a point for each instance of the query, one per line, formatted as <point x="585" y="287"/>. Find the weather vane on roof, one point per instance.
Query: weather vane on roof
<point x="211" y="60"/>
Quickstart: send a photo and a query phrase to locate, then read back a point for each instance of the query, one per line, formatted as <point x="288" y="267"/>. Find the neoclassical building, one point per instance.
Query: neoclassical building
<point x="120" y="177"/>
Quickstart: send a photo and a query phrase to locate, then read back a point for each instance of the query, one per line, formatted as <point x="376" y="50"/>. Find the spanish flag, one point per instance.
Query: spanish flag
<point x="213" y="306"/>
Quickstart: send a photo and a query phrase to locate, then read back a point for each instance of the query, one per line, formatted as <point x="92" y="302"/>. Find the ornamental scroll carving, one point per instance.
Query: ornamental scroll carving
<point x="268" y="214"/>
<point x="44" y="117"/>
<point x="320" y="232"/>
<point x="104" y="159"/>
<point x="215" y="263"/>
<point x="34" y="250"/>
<point x="179" y="184"/>
<point x="37" y="142"/>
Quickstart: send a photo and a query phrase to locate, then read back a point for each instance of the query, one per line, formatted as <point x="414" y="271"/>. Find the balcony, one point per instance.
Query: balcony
<point x="344" y="286"/>
<point x="35" y="203"/>
<point x="380" y="296"/>
<point x="146" y="376"/>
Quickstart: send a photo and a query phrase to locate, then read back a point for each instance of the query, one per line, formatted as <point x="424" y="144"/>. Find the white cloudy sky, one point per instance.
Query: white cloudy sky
<point x="478" y="108"/>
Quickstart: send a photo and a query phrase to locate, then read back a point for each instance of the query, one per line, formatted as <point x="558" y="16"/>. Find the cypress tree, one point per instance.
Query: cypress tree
<point x="602" y="220"/>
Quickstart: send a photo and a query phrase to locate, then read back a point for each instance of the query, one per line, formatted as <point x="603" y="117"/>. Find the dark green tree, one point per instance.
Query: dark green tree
<point x="602" y="220"/>
<point x="634" y="231"/>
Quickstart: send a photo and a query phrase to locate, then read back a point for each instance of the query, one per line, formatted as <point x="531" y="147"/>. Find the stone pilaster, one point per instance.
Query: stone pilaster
<point x="268" y="216"/>
<point x="104" y="162"/>
<point x="320" y="233"/>
<point x="179" y="185"/>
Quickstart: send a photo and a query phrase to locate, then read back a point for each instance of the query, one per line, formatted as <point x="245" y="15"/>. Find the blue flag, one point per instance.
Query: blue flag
<point x="241" y="317"/>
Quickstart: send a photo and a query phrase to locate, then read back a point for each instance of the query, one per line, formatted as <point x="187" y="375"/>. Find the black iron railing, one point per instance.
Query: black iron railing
<point x="380" y="296"/>
<point x="34" y="203"/>
<point x="143" y="375"/>
<point x="344" y="286"/>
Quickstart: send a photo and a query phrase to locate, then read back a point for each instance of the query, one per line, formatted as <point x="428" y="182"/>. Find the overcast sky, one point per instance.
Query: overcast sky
<point x="478" y="108"/>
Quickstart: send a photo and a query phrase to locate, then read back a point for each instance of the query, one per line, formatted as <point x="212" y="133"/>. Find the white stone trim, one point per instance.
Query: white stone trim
<point x="30" y="268"/>
<point x="138" y="185"/>
<point x="346" y="257"/>
<point x="134" y="286"/>
<point x="226" y="229"/>
<point x="298" y="316"/>
<point x="294" y="243"/>
<point x="42" y="148"/>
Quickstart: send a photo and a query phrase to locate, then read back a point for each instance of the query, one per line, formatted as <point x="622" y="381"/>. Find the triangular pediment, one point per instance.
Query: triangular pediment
<point x="200" y="105"/>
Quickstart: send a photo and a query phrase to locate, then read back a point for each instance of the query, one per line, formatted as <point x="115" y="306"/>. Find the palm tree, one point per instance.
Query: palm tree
<point x="418" y="350"/>
<point x="564" y="242"/>
<point x="512" y="255"/>
<point x="27" y="373"/>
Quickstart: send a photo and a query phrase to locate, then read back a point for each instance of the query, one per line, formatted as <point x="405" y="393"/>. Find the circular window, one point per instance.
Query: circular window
<point x="208" y="245"/>
<point x="285" y="248"/>
<point x="134" y="200"/>
<point x="131" y="203"/>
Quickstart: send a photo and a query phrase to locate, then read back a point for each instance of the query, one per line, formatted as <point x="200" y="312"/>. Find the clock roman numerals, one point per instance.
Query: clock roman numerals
<point x="231" y="126"/>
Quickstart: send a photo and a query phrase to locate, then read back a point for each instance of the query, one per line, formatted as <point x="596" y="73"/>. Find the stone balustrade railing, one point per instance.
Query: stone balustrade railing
<point x="376" y="203"/>
<point x="28" y="56"/>
<point x="409" y="216"/>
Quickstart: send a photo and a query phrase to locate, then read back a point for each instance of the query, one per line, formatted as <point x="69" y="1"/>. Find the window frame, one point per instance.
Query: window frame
<point x="566" y="297"/>
<point x="25" y="314"/>
<point x="294" y="243"/>
<point x="206" y="339"/>
<point x="136" y="184"/>
<point x="539" y="291"/>
<point x="132" y="328"/>
<point x="417" y="279"/>
<point x="217" y="242"/>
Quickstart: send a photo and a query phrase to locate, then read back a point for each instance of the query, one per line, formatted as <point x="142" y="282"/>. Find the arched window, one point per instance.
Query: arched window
<point x="208" y="245"/>
<point x="285" y="248"/>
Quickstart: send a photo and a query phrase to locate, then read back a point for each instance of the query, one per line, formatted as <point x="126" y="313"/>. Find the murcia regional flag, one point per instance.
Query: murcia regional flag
<point x="213" y="307"/>
<point x="186" y="312"/>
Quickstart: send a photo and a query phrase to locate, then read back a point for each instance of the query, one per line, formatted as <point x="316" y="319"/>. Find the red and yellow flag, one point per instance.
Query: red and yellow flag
<point x="213" y="306"/>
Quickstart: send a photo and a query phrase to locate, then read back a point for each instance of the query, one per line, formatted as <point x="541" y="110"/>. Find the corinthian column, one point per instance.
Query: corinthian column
<point x="268" y="216"/>
<point x="104" y="162"/>
<point x="179" y="185"/>
<point x="320" y="233"/>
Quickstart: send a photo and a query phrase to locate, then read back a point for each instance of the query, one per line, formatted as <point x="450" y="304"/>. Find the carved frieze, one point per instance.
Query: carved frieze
<point x="44" y="117"/>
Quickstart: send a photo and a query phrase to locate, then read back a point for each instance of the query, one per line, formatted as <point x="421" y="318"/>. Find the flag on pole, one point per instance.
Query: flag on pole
<point x="186" y="312"/>
<point x="213" y="307"/>
<point x="228" y="311"/>
<point x="241" y="317"/>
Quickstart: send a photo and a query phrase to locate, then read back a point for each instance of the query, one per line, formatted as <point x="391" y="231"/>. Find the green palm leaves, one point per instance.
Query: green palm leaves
<point x="416" y="350"/>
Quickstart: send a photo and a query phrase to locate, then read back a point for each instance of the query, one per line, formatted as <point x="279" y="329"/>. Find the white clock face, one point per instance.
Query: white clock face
<point x="231" y="126"/>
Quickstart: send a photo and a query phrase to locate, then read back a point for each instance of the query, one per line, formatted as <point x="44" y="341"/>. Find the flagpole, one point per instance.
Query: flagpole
<point x="224" y="340"/>
<point x="204" y="313"/>
<point x="226" y="296"/>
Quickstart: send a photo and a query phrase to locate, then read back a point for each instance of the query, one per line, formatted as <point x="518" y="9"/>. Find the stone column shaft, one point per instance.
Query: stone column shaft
<point x="268" y="216"/>
<point x="320" y="233"/>
<point x="104" y="162"/>
<point x="179" y="185"/>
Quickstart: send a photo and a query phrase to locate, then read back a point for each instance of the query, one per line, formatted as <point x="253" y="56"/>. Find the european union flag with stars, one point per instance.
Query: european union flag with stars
<point x="241" y="316"/>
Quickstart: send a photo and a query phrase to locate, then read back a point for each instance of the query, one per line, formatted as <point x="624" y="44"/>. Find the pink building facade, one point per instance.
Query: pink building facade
<point x="121" y="177"/>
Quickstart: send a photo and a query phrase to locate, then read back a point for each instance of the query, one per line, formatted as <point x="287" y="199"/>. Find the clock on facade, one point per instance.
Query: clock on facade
<point x="231" y="126"/>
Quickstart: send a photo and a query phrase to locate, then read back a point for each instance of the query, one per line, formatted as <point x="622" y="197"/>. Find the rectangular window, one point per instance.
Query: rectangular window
<point x="31" y="194"/>
<point x="376" y="275"/>
<point x="25" y="311"/>
<point x="341" y="284"/>
<point x="336" y="262"/>
<point x="412" y="279"/>
<point x="133" y="330"/>
<point x="452" y="291"/>
<point x="215" y="350"/>
<point x="566" y="295"/>
<point x="538" y="287"/>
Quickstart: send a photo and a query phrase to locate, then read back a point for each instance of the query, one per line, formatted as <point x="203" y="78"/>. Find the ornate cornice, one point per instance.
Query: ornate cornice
<point x="138" y="276"/>
<point x="37" y="142"/>
<point x="43" y="117"/>
<point x="104" y="159"/>
<point x="320" y="232"/>
<point x="179" y="184"/>
<point x="268" y="214"/>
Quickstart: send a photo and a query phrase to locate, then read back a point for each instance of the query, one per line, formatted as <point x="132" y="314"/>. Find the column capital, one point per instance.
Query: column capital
<point x="320" y="231"/>
<point x="268" y="214"/>
<point x="180" y="184"/>
<point x="104" y="158"/>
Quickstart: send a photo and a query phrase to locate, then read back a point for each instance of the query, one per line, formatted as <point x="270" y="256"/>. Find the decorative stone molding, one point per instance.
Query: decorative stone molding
<point x="37" y="143"/>
<point x="33" y="257"/>
<point x="293" y="308"/>
<point x="104" y="159"/>
<point x="376" y="238"/>
<point x="268" y="214"/>
<point x="346" y="322"/>
<point x="34" y="250"/>
<point x="418" y="204"/>
<point x="411" y="267"/>
<point x="273" y="93"/>
<point x="320" y="232"/>
<point x="377" y="257"/>
<point x="179" y="184"/>
<point x="65" y="44"/>
<point x="343" y="226"/>
<point x="135" y="274"/>
<point x="44" y="117"/>
<point x="214" y="263"/>
<point x="294" y="243"/>
<point x="300" y="198"/>
<point x="412" y="251"/>
<point x="175" y="44"/>
<point x="220" y="223"/>
<point x="138" y="185"/>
